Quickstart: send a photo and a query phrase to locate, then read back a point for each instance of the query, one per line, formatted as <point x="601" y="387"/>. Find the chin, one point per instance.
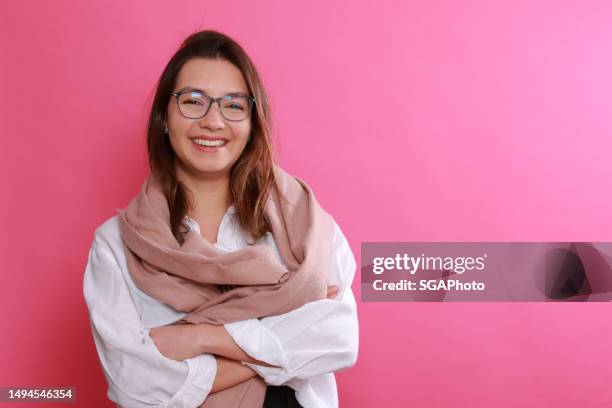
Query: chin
<point x="212" y="170"/>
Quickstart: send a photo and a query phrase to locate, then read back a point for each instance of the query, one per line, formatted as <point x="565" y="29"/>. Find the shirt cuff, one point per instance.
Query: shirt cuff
<point x="199" y="382"/>
<point x="257" y="341"/>
<point x="271" y="375"/>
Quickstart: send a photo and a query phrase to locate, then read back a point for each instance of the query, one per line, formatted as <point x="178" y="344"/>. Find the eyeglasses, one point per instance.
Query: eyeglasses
<point x="195" y="105"/>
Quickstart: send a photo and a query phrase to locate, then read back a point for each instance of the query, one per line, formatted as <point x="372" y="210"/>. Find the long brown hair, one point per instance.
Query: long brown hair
<point x="251" y="177"/>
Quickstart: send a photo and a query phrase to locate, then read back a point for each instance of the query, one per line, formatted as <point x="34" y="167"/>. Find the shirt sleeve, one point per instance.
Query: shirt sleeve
<point x="319" y="337"/>
<point x="138" y="375"/>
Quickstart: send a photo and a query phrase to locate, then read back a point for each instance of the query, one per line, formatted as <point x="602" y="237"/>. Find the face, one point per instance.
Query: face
<point x="214" y="78"/>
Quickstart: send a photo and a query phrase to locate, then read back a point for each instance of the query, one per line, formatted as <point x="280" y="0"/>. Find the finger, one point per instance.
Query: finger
<point x="332" y="291"/>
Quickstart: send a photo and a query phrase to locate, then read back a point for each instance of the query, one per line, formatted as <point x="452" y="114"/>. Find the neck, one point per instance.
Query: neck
<point x="210" y="195"/>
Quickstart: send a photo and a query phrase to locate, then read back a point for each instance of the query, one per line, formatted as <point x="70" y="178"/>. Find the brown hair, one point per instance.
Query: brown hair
<point x="251" y="177"/>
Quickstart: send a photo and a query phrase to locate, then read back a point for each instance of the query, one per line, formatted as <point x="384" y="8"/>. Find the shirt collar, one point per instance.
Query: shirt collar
<point x="193" y="224"/>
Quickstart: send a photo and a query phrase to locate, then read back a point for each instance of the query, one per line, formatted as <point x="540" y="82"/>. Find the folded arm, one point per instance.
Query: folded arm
<point x="214" y="340"/>
<point x="319" y="337"/>
<point x="138" y="375"/>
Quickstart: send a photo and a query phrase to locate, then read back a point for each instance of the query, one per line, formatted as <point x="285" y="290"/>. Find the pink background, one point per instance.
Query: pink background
<point x="413" y="121"/>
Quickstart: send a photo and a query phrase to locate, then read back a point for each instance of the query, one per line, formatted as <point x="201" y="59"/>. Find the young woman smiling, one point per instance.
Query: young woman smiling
<point x="223" y="283"/>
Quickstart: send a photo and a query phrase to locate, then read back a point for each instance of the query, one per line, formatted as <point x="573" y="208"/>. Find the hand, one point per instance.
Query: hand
<point x="332" y="291"/>
<point x="177" y="341"/>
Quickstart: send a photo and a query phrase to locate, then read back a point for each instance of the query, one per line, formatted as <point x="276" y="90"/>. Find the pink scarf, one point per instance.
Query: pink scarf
<point x="186" y="277"/>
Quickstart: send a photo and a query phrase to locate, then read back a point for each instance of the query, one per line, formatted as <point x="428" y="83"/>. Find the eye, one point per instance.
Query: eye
<point x="193" y="101"/>
<point x="236" y="106"/>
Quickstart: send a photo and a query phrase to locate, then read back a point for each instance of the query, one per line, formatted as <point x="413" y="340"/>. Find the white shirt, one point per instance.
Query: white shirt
<point x="308" y="344"/>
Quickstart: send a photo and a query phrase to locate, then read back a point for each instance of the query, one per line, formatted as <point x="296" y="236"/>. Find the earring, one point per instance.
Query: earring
<point x="166" y="130"/>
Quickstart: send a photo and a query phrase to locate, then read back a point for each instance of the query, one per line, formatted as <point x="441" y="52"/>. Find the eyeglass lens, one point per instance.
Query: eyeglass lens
<point x="233" y="107"/>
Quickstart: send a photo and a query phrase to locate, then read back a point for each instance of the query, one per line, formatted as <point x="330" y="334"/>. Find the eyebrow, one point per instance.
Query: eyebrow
<point x="192" y="89"/>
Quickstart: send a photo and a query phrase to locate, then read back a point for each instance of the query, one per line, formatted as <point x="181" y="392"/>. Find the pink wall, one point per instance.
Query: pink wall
<point x="413" y="121"/>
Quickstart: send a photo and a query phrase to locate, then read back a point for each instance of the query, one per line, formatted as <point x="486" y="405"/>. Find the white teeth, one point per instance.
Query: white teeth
<point x="209" y="143"/>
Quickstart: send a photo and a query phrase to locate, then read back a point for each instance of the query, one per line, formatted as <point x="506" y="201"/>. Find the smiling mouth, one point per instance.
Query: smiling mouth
<point x="209" y="143"/>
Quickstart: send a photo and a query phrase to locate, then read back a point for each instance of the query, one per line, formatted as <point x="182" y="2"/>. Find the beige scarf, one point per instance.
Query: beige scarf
<point x="187" y="277"/>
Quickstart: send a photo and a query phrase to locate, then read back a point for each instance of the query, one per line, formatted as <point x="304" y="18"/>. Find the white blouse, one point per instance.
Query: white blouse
<point x="308" y="344"/>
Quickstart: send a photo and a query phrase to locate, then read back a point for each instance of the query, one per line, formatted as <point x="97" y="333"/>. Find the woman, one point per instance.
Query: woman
<point x="223" y="283"/>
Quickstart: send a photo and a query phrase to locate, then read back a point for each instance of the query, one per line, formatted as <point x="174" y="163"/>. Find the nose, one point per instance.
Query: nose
<point x="213" y="119"/>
